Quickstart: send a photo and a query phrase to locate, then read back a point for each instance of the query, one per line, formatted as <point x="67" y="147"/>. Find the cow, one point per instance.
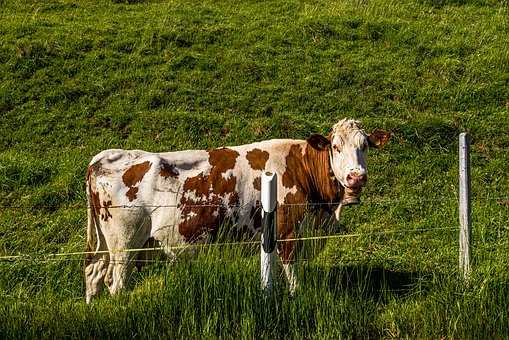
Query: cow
<point x="182" y="197"/>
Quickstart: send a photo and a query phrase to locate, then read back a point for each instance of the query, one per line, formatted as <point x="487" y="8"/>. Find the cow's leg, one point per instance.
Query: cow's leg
<point x="286" y="255"/>
<point x="337" y="212"/>
<point x="290" y="277"/>
<point x="120" y="242"/>
<point x="288" y="219"/>
<point x="95" y="271"/>
<point x="118" y="271"/>
<point x="121" y="263"/>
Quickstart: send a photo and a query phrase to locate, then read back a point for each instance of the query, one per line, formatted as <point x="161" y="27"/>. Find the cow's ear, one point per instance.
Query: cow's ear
<point x="378" y="138"/>
<point x="318" y="142"/>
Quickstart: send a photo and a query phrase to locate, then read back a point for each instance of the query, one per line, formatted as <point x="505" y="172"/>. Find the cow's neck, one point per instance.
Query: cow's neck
<point x="322" y="184"/>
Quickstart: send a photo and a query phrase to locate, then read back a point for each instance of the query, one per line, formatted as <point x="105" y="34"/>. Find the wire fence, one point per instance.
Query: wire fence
<point x="503" y="200"/>
<point x="78" y="255"/>
<point x="56" y="256"/>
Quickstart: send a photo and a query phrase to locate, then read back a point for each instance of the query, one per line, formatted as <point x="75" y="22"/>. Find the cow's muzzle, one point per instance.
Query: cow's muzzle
<point x="354" y="180"/>
<point x="354" y="184"/>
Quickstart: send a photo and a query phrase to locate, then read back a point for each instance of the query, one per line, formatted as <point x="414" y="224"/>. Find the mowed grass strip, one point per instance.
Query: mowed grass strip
<point x="77" y="77"/>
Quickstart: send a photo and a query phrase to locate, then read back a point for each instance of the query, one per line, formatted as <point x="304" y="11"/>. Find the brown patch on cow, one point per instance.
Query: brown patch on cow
<point x="309" y="175"/>
<point x="257" y="159"/>
<point x="223" y="159"/>
<point x="135" y="173"/>
<point x="95" y="203"/>
<point x="294" y="174"/>
<point x="207" y="208"/>
<point x="295" y="200"/>
<point x="168" y="170"/>
<point x="94" y="168"/>
<point x="323" y="186"/>
<point x="107" y="213"/>
<point x="286" y="249"/>
<point x="205" y="218"/>
<point x="257" y="183"/>
<point x="93" y="171"/>
<point x="90" y="170"/>
<point x="289" y="216"/>
<point x="318" y="141"/>
<point x="131" y="193"/>
<point x="199" y="184"/>
<point x="133" y="176"/>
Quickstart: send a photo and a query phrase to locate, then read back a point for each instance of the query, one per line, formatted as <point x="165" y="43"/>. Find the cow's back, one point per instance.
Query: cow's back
<point x="185" y="195"/>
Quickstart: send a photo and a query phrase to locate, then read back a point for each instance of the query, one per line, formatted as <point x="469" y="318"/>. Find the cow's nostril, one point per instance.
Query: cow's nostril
<point x="356" y="180"/>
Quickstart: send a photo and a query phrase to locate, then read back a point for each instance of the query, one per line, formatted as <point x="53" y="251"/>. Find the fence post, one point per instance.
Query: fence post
<point x="268" y="240"/>
<point x="464" y="205"/>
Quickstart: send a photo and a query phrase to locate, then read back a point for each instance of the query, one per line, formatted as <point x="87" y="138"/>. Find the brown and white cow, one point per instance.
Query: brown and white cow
<point x="178" y="197"/>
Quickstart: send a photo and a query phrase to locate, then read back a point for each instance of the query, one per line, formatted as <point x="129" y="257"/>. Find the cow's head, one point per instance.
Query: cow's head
<point x="347" y="145"/>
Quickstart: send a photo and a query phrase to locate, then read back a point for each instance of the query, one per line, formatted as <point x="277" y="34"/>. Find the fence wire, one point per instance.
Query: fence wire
<point x="377" y="201"/>
<point x="62" y="256"/>
<point x="65" y="256"/>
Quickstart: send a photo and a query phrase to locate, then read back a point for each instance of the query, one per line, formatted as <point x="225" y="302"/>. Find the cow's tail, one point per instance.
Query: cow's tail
<point x="93" y="238"/>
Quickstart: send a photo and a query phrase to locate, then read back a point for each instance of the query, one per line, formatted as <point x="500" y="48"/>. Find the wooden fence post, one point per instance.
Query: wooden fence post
<point x="268" y="240"/>
<point x="464" y="205"/>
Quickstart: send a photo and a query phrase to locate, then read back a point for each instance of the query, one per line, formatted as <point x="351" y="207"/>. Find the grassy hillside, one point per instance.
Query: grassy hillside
<point x="77" y="77"/>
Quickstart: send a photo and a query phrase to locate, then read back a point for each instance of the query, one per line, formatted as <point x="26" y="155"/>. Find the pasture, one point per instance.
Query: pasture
<point x="77" y="77"/>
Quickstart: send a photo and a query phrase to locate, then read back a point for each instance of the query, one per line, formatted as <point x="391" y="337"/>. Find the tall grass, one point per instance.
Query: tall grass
<point x="376" y="284"/>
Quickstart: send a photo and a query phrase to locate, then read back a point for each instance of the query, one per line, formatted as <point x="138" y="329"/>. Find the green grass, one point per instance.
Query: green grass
<point x="77" y="77"/>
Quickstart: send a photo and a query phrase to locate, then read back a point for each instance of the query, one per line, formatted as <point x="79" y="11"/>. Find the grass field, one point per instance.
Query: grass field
<point x="77" y="77"/>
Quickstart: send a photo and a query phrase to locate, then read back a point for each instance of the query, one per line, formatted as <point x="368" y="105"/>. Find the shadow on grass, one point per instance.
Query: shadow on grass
<point x="374" y="282"/>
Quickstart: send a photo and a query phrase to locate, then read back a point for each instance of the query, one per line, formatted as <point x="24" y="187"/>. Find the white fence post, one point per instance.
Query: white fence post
<point x="268" y="240"/>
<point x="464" y="205"/>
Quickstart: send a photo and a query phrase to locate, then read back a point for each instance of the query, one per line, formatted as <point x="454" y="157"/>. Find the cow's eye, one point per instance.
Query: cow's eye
<point x="336" y="147"/>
